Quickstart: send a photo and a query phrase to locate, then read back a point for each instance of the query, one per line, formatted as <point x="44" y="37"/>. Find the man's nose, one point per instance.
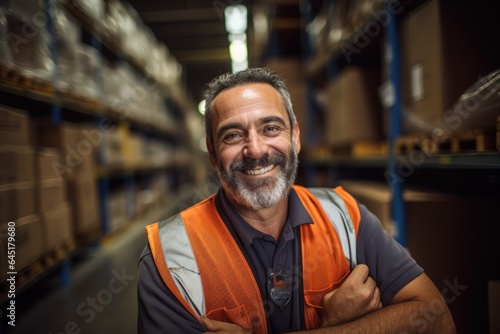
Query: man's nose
<point x="255" y="146"/>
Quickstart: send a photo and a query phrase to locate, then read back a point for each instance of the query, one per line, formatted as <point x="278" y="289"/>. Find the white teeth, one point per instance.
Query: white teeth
<point x="260" y="171"/>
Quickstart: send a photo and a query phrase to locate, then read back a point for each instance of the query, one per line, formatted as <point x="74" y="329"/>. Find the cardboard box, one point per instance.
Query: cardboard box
<point x="451" y="237"/>
<point x="291" y="70"/>
<point x="17" y="164"/>
<point x="60" y="136"/>
<point x="494" y="306"/>
<point x="14" y="126"/>
<point x="28" y="244"/>
<point x="352" y="108"/>
<point x="117" y="213"/>
<point x="82" y="195"/>
<point x="17" y="200"/>
<point x="47" y="162"/>
<point x="56" y="226"/>
<point x="50" y="194"/>
<point x="446" y="47"/>
<point x="377" y="199"/>
<point x="77" y="147"/>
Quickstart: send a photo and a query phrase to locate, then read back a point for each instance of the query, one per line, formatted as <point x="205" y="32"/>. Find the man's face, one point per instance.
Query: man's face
<point x="254" y="151"/>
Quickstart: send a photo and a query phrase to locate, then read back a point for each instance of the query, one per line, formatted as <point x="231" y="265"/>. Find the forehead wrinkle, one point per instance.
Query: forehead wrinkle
<point x="243" y="102"/>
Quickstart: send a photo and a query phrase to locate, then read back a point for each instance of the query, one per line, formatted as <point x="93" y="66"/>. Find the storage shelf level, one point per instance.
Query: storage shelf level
<point x="453" y="161"/>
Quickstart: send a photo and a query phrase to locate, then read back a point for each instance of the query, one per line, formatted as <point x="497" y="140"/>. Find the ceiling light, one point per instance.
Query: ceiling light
<point x="201" y="106"/>
<point x="236" y="19"/>
<point x="238" y="51"/>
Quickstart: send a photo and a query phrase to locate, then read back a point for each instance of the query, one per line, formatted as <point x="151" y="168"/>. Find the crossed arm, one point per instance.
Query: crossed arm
<point x="355" y="307"/>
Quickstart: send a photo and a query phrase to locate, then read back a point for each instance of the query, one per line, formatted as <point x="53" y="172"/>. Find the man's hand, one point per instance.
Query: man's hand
<point x="214" y="326"/>
<point x="356" y="297"/>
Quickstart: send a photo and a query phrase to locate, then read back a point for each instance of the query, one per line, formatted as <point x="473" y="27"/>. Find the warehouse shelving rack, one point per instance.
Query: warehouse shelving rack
<point x="58" y="108"/>
<point x="327" y="64"/>
<point x="473" y="175"/>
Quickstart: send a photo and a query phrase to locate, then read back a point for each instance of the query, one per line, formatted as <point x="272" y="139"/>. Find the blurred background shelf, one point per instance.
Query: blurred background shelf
<point x="397" y="101"/>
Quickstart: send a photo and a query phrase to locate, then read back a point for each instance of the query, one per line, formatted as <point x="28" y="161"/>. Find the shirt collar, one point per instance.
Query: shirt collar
<point x="297" y="215"/>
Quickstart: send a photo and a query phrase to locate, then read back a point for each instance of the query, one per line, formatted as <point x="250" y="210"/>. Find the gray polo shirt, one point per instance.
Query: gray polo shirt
<point x="390" y="265"/>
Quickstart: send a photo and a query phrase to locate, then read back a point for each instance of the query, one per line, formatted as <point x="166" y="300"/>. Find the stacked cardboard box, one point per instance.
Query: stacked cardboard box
<point x="446" y="47"/>
<point x="352" y="108"/>
<point x="17" y="184"/>
<point x="52" y="205"/>
<point x="77" y="146"/>
<point x="449" y="235"/>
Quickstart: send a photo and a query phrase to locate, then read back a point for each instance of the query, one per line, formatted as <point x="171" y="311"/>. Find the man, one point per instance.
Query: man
<point x="265" y="256"/>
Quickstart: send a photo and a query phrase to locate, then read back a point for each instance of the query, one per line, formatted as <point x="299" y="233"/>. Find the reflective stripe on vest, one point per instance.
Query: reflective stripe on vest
<point x="337" y="212"/>
<point x="175" y="247"/>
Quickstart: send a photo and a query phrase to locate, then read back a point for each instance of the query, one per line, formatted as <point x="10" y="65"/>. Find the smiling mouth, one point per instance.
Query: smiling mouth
<point x="259" y="171"/>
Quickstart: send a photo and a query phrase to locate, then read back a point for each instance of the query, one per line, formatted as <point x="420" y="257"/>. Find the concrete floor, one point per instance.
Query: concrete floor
<point x="99" y="298"/>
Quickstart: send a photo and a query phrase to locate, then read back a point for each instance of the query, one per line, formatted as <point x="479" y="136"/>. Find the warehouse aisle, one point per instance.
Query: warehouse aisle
<point x="100" y="298"/>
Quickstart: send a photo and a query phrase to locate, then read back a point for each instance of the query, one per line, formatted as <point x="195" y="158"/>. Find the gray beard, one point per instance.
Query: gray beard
<point x="262" y="192"/>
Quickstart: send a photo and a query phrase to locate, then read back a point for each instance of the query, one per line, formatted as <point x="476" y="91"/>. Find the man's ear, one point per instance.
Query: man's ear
<point x="296" y="136"/>
<point x="211" y="152"/>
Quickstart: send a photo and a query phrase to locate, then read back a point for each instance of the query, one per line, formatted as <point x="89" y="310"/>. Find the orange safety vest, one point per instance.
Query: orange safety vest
<point x="203" y="267"/>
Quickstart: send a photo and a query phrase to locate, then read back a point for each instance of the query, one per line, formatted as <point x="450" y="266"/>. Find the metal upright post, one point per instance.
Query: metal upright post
<point x="56" y="116"/>
<point x="55" y="112"/>
<point x="395" y="182"/>
<point x="309" y="170"/>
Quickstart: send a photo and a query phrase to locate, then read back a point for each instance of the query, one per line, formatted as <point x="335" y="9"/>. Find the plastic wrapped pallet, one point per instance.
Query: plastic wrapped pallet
<point x="317" y="30"/>
<point x="67" y="36"/>
<point x="29" y="47"/>
<point x="94" y="9"/>
<point x="111" y="24"/>
<point x="86" y="82"/>
<point x="478" y="107"/>
<point x="27" y="8"/>
<point x="360" y="11"/>
<point x="5" y="53"/>
<point x="338" y="26"/>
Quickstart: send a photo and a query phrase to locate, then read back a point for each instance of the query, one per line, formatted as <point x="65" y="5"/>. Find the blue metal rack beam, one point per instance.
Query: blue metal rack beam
<point x="393" y="178"/>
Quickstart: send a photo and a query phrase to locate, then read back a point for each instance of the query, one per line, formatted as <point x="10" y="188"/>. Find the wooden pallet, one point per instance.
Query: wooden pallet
<point x="12" y="77"/>
<point x="81" y="101"/>
<point x="58" y="253"/>
<point x="477" y="140"/>
<point x="369" y="149"/>
<point x="88" y="236"/>
<point x="362" y="149"/>
<point x="420" y="143"/>
<point x="38" y="267"/>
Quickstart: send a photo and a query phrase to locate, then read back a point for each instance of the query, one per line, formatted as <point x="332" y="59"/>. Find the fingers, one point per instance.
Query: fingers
<point x="359" y="274"/>
<point x="214" y="326"/>
<point x="364" y="287"/>
<point x="208" y="323"/>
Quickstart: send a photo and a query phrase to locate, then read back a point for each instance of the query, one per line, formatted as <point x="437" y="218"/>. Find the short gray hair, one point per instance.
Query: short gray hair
<point x="250" y="75"/>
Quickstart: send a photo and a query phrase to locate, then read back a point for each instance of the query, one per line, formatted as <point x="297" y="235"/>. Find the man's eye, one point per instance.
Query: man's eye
<point x="271" y="130"/>
<point x="232" y="137"/>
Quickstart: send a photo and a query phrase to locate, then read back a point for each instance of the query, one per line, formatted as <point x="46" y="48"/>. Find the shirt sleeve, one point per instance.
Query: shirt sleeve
<point x="158" y="309"/>
<point x="390" y="265"/>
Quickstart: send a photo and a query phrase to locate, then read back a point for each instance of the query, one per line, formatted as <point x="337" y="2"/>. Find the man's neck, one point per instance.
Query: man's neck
<point x="268" y="220"/>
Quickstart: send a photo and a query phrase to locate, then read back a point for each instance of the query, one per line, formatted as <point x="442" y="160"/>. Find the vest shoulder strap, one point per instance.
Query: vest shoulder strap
<point x="335" y="207"/>
<point x="181" y="262"/>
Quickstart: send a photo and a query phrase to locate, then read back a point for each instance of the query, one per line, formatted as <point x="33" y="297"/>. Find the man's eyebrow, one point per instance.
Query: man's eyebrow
<point x="271" y="119"/>
<point x="236" y="125"/>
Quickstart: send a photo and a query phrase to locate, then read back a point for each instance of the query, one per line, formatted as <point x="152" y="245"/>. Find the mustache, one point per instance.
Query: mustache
<point x="250" y="163"/>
